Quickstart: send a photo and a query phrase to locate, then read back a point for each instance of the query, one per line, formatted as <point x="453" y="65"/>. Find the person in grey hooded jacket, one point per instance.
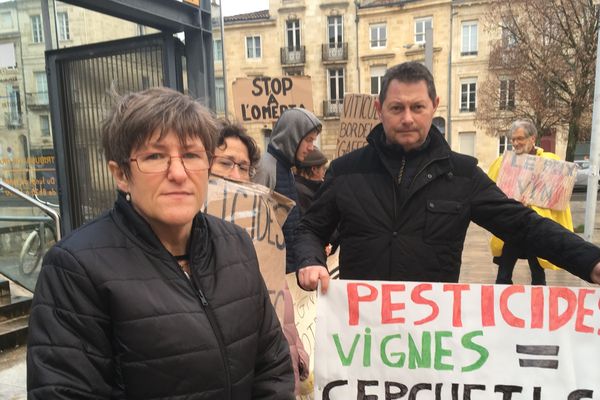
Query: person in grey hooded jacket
<point x="291" y="140"/>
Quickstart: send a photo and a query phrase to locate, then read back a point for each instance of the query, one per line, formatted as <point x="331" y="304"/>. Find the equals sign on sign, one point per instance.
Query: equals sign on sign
<point x="545" y="352"/>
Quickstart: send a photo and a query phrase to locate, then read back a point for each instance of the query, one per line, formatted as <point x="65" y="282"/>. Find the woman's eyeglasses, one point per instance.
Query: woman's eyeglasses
<point x="160" y="162"/>
<point x="227" y="164"/>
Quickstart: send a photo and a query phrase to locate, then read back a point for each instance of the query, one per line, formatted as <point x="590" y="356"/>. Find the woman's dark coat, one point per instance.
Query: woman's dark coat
<point x="114" y="317"/>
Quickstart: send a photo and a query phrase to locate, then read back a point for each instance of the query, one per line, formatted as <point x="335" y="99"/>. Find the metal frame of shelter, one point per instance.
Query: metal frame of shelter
<point x="78" y="77"/>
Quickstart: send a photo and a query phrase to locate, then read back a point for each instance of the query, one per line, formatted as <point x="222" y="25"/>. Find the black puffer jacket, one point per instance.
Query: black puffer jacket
<point x="114" y="317"/>
<point x="415" y="230"/>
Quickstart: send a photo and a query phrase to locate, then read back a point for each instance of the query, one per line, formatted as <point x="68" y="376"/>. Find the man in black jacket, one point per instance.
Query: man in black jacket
<point x="403" y="203"/>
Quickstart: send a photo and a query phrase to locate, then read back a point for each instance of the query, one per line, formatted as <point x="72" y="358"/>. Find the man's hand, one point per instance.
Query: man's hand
<point x="309" y="277"/>
<point x="596" y="274"/>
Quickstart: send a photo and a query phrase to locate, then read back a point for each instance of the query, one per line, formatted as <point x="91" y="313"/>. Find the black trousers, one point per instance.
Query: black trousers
<point x="506" y="264"/>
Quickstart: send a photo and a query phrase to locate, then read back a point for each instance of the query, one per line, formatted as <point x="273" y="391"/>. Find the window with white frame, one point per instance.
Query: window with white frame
<point x="37" y="32"/>
<point x="421" y="25"/>
<point x="504" y="144"/>
<point x="336" y="84"/>
<point x="378" y="34"/>
<point x="63" y="26"/>
<point x="469" y="38"/>
<point x="45" y="125"/>
<point x="508" y="37"/>
<point x="377" y="74"/>
<point x="218" y="49"/>
<point x="507" y="94"/>
<point x="292" y="33"/>
<point x="220" y="95"/>
<point x="335" y="30"/>
<point x="7" y="55"/>
<point x="253" y="49"/>
<point x="6" y="21"/>
<point x="41" y="87"/>
<point x="14" y="105"/>
<point x="466" y="143"/>
<point x="468" y="94"/>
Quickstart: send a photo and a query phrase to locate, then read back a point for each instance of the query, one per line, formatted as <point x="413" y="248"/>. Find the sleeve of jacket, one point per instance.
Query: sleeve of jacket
<point x="274" y="376"/>
<point x="69" y="353"/>
<point x="318" y="224"/>
<point x="511" y="221"/>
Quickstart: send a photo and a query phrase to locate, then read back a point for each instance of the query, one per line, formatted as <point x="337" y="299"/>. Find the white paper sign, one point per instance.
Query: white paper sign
<point x="426" y="341"/>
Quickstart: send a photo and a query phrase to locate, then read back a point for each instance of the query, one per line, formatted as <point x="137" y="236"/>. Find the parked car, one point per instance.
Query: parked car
<point x="583" y="172"/>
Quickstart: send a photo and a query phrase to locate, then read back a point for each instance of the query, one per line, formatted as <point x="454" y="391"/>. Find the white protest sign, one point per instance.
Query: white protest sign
<point x="537" y="181"/>
<point x="391" y="340"/>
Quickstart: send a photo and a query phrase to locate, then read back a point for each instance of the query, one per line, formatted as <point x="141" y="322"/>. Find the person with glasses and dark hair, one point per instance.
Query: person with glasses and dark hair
<point x="155" y="299"/>
<point x="236" y="153"/>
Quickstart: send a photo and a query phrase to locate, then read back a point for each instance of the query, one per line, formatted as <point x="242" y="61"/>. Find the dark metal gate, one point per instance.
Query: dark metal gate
<point x="80" y="82"/>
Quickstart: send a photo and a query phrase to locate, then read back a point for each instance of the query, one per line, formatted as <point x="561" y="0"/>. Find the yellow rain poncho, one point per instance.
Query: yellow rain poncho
<point x="562" y="217"/>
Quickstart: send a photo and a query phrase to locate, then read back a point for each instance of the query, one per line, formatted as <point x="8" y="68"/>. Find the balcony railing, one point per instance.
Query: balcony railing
<point x="335" y="52"/>
<point x="37" y="99"/>
<point x="332" y="108"/>
<point x="293" y="55"/>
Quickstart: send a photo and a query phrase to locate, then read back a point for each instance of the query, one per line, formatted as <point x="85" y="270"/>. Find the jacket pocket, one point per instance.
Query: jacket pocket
<point x="444" y="221"/>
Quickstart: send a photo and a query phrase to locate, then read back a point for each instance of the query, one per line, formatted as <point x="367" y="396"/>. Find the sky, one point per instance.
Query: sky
<point x="233" y="7"/>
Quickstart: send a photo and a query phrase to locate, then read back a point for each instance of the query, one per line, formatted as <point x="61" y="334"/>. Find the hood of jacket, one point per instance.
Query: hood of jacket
<point x="289" y="130"/>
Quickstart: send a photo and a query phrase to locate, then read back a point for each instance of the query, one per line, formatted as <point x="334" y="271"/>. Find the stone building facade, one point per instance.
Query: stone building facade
<point x="300" y="37"/>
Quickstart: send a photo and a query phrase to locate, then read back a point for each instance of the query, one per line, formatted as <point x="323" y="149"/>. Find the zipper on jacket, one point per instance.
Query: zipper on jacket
<point x="215" y="328"/>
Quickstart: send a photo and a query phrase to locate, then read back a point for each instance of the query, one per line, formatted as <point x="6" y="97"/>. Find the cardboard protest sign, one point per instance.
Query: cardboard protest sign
<point x="264" y="99"/>
<point x="261" y="213"/>
<point x="411" y="340"/>
<point x="358" y="117"/>
<point x="537" y="181"/>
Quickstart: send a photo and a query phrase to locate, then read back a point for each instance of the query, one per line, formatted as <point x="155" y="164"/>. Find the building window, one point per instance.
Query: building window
<point x="378" y="34"/>
<point x="14" y="106"/>
<point x="253" y="49"/>
<point x="41" y="86"/>
<point x="7" y="55"/>
<point x="469" y="38"/>
<point x="377" y="74"/>
<point x="467" y="143"/>
<point x="508" y="38"/>
<point x="220" y="95"/>
<point x="6" y="21"/>
<point x="63" y="26"/>
<point x="504" y="144"/>
<point x="218" y="49"/>
<point x="335" y="84"/>
<point x="45" y="125"/>
<point x="421" y="26"/>
<point x="292" y="31"/>
<point x="37" y="32"/>
<point x="335" y="29"/>
<point x="507" y="94"/>
<point x="468" y="93"/>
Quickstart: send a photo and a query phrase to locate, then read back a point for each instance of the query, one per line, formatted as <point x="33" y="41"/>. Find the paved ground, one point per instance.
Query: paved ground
<point x="477" y="267"/>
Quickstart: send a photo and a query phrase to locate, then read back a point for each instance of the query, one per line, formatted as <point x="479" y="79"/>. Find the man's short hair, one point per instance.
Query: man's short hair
<point x="527" y="126"/>
<point x="408" y="72"/>
<point x="134" y="117"/>
<point x="229" y="129"/>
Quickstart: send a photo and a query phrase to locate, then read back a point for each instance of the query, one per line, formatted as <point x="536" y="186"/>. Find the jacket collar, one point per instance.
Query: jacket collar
<point x="139" y="231"/>
<point x="280" y="156"/>
<point x="435" y="147"/>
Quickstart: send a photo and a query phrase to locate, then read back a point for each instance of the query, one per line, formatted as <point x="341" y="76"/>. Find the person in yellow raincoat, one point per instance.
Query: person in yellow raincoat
<point x="522" y="136"/>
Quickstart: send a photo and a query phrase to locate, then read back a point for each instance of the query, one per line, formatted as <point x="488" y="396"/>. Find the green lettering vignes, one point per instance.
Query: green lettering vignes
<point x="345" y="359"/>
<point x="467" y="342"/>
